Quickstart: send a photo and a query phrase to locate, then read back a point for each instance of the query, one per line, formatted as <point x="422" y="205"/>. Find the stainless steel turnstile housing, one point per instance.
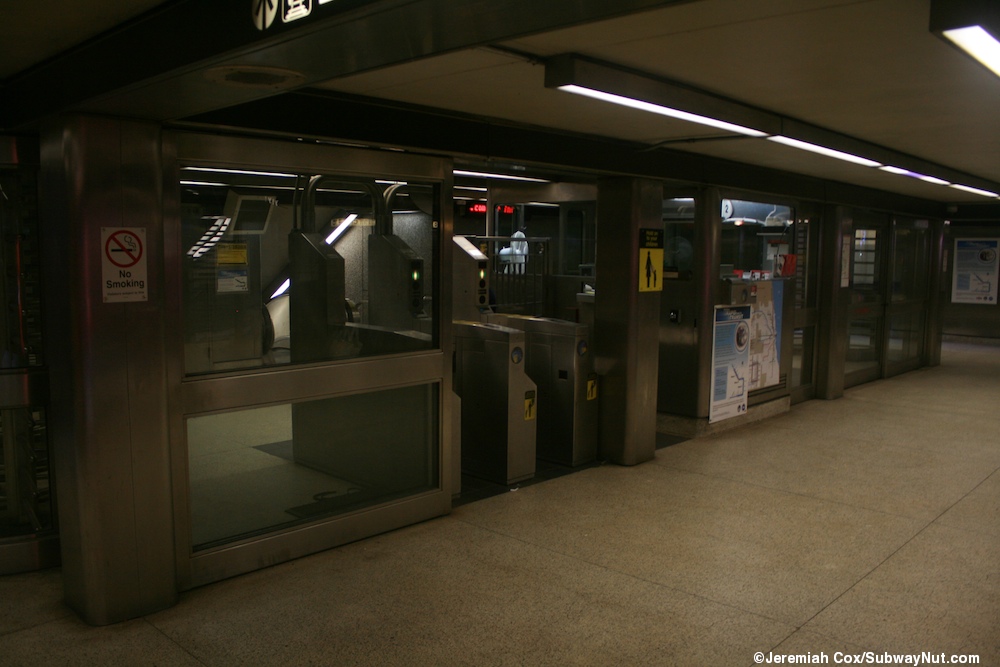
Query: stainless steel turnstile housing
<point x="499" y="402"/>
<point x="559" y="361"/>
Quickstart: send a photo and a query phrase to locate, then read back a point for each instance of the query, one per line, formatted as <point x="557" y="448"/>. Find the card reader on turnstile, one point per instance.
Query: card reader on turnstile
<point x="471" y="287"/>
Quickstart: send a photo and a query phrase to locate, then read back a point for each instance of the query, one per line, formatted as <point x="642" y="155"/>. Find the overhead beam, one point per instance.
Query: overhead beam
<point x="154" y="67"/>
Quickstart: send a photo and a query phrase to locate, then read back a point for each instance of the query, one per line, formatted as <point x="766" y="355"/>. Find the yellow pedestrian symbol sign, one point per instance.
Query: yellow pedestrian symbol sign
<point x="530" y="406"/>
<point x="650" y="260"/>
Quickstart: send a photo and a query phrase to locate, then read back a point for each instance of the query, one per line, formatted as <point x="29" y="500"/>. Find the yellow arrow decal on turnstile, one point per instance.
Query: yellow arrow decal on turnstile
<point x="530" y="406"/>
<point x="591" y="388"/>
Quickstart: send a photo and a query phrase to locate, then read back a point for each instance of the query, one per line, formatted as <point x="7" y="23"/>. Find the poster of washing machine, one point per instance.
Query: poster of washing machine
<point x="730" y="362"/>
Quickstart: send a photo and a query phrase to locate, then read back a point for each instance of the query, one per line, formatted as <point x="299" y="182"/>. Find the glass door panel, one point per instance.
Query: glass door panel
<point x="806" y="314"/>
<point x="864" y="347"/>
<point x="905" y="337"/>
<point x="803" y="357"/>
<point x="866" y="314"/>
<point x="908" y="295"/>
<point x="282" y="268"/>
<point x="262" y="469"/>
<point x="309" y="311"/>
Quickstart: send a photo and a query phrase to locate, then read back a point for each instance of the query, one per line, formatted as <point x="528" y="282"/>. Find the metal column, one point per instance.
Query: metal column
<point x="831" y="346"/>
<point x="108" y="416"/>
<point x="627" y="323"/>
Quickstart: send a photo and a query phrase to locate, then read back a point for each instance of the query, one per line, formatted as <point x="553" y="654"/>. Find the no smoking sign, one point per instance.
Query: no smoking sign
<point x="123" y="264"/>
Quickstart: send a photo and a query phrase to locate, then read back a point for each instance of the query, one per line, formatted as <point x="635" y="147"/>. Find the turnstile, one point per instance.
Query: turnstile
<point x="559" y="361"/>
<point x="499" y="402"/>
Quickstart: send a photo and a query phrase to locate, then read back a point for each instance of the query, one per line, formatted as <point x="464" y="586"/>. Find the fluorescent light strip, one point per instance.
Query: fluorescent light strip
<point x="340" y="229"/>
<point x="503" y="177"/>
<point x="243" y="172"/>
<point x="899" y="171"/>
<point x="975" y="191"/>
<point x="823" y="150"/>
<point x="662" y="110"/>
<point x="979" y="44"/>
<point x="282" y="289"/>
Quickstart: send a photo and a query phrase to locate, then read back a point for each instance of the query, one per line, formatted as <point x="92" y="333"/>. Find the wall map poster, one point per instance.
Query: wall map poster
<point x="765" y="335"/>
<point x="975" y="276"/>
<point x="730" y="362"/>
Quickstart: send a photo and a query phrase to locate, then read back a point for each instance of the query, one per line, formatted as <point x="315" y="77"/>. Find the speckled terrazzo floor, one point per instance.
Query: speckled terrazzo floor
<point x="868" y="523"/>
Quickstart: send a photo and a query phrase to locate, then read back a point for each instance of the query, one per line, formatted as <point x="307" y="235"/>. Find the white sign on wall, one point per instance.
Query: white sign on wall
<point x="730" y="362"/>
<point x="123" y="264"/>
<point x="976" y="266"/>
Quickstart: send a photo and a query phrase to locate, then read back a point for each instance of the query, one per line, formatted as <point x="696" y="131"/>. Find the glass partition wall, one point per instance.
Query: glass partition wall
<point x="761" y="248"/>
<point x="310" y="313"/>
<point x="890" y="272"/>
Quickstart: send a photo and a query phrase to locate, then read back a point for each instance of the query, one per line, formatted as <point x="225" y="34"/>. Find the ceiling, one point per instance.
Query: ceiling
<point x="868" y="69"/>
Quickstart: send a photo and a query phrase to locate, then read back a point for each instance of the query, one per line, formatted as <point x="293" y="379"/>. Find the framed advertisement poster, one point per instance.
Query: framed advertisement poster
<point x="975" y="271"/>
<point x="730" y="362"/>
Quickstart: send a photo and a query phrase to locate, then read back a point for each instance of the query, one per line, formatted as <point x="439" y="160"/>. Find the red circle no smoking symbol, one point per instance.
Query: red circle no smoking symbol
<point x="123" y="249"/>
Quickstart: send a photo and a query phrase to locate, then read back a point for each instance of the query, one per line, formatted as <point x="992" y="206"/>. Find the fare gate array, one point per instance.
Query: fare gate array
<point x="559" y="361"/>
<point x="528" y="391"/>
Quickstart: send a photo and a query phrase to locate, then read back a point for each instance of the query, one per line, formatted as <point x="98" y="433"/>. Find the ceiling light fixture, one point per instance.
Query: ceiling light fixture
<point x="502" y="177"/>
<point x="242" y="172"/>
<point x="899" y="171"/>
<point x="662" y="110"/>
<point x="823" y="150"/>
<point x="971" y="25"/>
<point x="979" y="44"/>
<point x="975" y="191"/>
<point x="575" y="74"/>
<point x="609" y="83"/>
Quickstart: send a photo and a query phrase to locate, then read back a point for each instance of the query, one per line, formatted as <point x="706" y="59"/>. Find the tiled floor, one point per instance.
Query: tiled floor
<point x="869" y="523"/>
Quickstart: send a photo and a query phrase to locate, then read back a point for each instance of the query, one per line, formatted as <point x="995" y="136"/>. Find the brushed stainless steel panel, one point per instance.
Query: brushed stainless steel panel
<point x="708" y="245"/>
<point x="110" y="463"/>
<point x="831" y="344"/>
<point x="263" y="552"/>
<point x="35" y="552"/>
<point x="304" y="382"/>
<point x="143" y="336"/>
<point x="626" y="323"/>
